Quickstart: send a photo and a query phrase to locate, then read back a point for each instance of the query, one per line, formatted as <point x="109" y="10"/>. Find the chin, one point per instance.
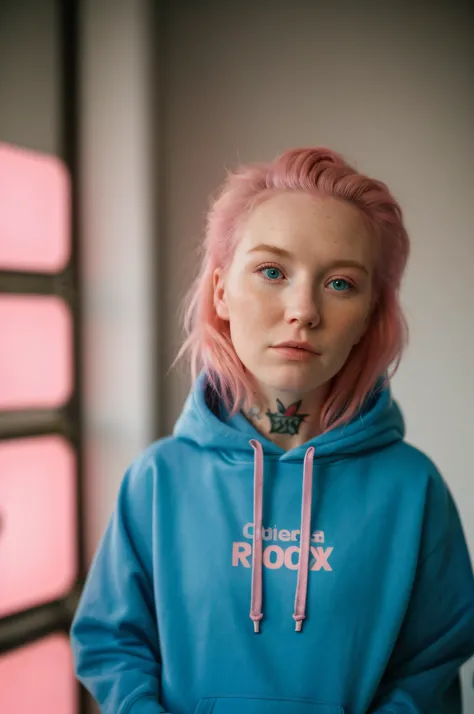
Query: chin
<point x="295" y="378"/>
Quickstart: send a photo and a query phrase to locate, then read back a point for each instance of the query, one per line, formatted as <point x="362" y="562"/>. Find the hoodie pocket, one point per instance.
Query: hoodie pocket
<point x="250" y="705"/>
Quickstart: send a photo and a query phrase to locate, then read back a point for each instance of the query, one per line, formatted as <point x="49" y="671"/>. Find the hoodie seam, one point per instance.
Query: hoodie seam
<point x="131" y="703"/>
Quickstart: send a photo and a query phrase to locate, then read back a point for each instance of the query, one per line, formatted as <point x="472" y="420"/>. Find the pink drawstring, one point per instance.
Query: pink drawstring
<point x="305" y="539"/>
<point x="256" y="602"/>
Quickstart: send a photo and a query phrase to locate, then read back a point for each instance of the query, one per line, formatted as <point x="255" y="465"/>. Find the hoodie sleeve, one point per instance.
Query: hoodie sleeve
<point x="437" y="635"/>
<point x="114" y="634"/>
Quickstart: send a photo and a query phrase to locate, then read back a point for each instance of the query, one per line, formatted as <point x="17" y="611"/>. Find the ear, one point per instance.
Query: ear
<point x="220" y="304"/>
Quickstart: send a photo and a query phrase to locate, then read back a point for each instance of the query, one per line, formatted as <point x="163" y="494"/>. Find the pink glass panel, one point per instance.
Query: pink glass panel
<point x="39" y="678"/>
<point x="36" y="353"/>
<point x="38" y="521"/>
<point x="34" y="211"/>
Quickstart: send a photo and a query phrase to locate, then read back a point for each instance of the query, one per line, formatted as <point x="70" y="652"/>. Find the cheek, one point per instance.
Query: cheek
<point x="250" y="303"/>
<point x="348" y="322"/>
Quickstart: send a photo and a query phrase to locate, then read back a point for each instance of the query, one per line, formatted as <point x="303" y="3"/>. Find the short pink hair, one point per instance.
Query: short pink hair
<point x="321" y="172"/>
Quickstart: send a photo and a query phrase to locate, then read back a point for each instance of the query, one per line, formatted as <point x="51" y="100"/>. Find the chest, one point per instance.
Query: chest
<point x="363" y="542"/>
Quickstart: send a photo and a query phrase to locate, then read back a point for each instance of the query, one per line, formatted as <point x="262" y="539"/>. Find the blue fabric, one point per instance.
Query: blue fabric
<point x="163" y="623"/>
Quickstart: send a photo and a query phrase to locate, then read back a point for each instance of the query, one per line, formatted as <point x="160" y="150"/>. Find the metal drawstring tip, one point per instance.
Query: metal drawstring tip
<point x="298" y="625"/>
<point x="256" y="626"/>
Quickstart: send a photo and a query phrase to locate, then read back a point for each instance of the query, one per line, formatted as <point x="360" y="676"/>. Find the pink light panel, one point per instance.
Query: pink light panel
<point x="37" y="522"/>
<point x="37" y="475"/>
<point x="38" y="678"/>
<point x="34" y="211"/>
<point x="36" y="352"/>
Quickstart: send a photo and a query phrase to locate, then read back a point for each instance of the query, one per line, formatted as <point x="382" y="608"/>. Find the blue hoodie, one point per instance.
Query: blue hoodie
<point x="353" y="594"/>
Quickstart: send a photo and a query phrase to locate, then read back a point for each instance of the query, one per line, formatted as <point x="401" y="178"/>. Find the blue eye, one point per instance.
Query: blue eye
<point x="341" y="285"/>
<point x="271" y="273"/>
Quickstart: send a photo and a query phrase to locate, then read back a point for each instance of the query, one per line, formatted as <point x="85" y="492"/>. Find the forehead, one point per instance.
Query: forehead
<point x="299" y="221"/>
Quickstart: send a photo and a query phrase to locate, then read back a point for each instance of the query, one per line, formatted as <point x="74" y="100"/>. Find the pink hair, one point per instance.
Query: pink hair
<point x="314" y="171"/>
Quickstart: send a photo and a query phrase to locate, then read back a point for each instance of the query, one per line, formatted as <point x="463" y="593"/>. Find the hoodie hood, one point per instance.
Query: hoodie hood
<point x="205" y="422"/>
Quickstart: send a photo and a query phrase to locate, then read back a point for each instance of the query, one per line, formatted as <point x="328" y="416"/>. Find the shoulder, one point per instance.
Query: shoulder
<point x="422" y="466"/>
<point x="416" y="464"/>
<point x="440" y="512"/>
<point x="414" y="479"/>
<point x="161" y="457"/>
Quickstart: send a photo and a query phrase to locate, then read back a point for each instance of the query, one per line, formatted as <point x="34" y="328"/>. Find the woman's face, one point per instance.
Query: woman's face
<point x="303" y="271"/>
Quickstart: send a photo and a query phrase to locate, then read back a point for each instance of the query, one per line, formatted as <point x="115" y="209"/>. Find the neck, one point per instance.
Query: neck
<point x="286" y="418"/>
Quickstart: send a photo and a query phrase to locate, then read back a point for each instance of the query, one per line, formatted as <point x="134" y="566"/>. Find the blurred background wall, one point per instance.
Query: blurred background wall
<point x="171" y="94"/>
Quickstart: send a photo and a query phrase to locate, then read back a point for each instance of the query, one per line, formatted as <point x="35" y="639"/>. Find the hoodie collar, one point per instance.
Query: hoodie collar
<point x="205" y="422"/>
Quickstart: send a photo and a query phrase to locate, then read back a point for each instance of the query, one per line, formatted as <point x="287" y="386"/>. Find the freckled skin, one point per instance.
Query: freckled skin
<point x="303" y="296"/>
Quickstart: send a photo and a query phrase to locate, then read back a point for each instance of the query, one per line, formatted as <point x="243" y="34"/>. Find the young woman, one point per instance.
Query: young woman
<point x="285" y="551"/>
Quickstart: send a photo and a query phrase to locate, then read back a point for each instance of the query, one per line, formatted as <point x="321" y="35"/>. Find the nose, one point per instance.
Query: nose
<point x="303" y="308"/>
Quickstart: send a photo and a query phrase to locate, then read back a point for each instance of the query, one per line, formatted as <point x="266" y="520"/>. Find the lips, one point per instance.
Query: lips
<point x="295" y="354"/>
<point x="304" y="346"/>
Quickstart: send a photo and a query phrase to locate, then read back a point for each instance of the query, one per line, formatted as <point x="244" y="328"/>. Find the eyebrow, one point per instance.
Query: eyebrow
<point x="264" y="247"/>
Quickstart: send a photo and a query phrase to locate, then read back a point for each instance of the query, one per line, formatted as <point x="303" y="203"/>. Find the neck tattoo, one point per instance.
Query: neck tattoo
<point x="286" y="420"/>
<point x="255" y="413"/>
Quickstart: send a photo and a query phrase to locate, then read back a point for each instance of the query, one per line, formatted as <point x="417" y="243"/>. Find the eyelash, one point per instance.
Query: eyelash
<point x="266" y="266"/>
<point x="260" y="270"/>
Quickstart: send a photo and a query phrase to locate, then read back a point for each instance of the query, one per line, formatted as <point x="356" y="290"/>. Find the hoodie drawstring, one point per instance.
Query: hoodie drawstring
<point x="305" y="539"/>
<point x="256" y="601"/>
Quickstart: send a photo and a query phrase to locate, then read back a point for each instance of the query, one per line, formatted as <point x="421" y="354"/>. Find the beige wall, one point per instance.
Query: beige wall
<point x="118" y="238"/>
<point x="390" y="86"/>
